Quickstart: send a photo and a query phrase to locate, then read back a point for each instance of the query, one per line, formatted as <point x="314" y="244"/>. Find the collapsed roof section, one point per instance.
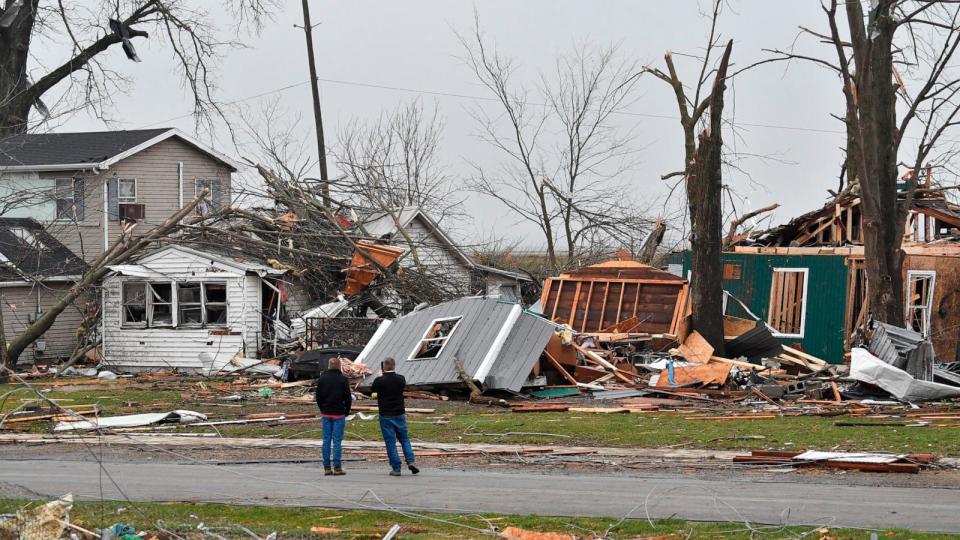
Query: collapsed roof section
<point x="497" y="343"/>
<point x="596" y="299"/>
<point x="840" y="222"/>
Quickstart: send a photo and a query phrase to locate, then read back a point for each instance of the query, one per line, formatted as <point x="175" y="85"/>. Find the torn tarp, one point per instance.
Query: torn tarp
<point x="867" y="368"/>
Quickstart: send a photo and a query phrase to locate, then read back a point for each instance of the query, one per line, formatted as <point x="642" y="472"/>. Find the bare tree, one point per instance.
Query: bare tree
<point x="88" y="81"/>
<point x="392" y="164"/>
<point x="569" y="186"/>
<point x="895" y="61"/>
<point x="701" y="107"/>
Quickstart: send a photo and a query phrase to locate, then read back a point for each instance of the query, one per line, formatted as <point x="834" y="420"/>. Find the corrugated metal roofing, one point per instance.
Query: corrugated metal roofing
<point x="481" y="321"/>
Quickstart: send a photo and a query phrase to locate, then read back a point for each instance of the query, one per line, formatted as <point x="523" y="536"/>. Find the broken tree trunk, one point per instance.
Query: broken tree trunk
<point x="649" y="249"/>
<point x="732" y="237"/>
<point x="476" y="395"/>
<point x="704" y="198"/>
<point x="116" y="254"/>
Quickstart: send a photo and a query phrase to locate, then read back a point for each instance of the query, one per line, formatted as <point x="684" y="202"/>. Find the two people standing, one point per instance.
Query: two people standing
<point x="334" y="399"/>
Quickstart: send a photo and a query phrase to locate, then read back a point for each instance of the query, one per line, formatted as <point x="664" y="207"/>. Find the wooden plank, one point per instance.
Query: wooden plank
<point x="711" y="373"/>
<point x="623" y="288"/>
<point x="556" y="304"/>
<point x="775" y="292"/>
<point x="603" y="308"/>
<point x="696" y="349"/>
<point x="556" y="365"/>
<point x="808" y="357"/>
<point x="576" y="302"/>
<point x="636" y="301"/>
<point x="586" y="308"/>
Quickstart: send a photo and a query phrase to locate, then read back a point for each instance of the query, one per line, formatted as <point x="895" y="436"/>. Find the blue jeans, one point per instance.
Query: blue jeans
<point x="332" y="435"/>
<point x="394" y="428"/>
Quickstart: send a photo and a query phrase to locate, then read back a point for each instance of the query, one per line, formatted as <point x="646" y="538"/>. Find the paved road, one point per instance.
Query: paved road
<point x="685" y="497"/>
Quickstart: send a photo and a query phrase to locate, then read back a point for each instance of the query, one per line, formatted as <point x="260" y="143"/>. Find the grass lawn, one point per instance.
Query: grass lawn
<point x="459" y="420"/>
<point x="295" y="523"/>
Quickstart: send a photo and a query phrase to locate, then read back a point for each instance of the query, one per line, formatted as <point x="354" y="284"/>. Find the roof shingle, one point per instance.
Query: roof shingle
<point x="35" y="149"/>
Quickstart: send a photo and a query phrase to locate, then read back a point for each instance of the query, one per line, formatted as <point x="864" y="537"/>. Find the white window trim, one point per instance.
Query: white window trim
<point x="175" y="305"/>
<point x="206" y="205"/>
<point x="135" y="191"/>
<point x="907" y="305"/>
<point x="413" y="354"/>
<point x="803" y="305"/>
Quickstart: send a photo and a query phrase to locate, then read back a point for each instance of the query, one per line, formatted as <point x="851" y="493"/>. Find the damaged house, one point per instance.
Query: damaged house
<point x="806" y="278"/>
<point x="182" y="309"/>
<point x="84" y="186"/>
<point x="36" y="271"/>
<point x="431" y="248"/>
<point x="498" y="344"/>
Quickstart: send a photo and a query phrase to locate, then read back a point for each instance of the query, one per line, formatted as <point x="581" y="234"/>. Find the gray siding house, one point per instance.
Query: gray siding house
<point x="84" y="187"/>
<point x="411" y="228"/>
<point x="36" y="272"/>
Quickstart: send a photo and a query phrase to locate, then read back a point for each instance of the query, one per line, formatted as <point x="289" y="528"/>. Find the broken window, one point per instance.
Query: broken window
<point x="435" y="338"/>
<point x="919" y="300"/>
<point x="215" y="303"/>
<point x="69" y="196"/>
<point x="134" y="300"/>
<point x="160" y="310"/>
<point x="202" y="303"/>
<point x="190" y="296"/>
<point x="788" y="301"/>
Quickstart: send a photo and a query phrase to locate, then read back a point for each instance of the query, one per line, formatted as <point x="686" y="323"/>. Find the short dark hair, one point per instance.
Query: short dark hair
<point x="389" y="364"/>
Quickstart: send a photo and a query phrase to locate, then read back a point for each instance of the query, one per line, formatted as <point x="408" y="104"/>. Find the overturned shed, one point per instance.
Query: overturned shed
<point x="497" y="343"/>
<point x="595" y="298"/>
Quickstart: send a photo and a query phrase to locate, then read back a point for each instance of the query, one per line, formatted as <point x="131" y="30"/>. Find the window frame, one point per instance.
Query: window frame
<point x="175" y="304"/>
<point x="207" y="206"/>
<point x="72" y="198"/>
<point x="446" y="339"/>
<point x="928" y="307"/>
<point x="120" y="198"/>
<point x="123" y="304"/>
<point x="803" y="302"/>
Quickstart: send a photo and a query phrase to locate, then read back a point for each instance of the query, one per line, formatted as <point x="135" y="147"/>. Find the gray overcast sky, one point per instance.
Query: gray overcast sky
<point x="412" y="45"/>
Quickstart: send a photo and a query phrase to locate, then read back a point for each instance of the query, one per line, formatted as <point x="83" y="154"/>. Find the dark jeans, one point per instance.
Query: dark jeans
<point x="332" y="436"/>
<point x="395" y="428"/>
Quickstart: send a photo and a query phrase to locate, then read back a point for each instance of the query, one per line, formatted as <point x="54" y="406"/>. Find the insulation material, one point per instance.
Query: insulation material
<point x="132" y="420"/>
<point x="869" y="369"/>
<point x="41" y="523"/>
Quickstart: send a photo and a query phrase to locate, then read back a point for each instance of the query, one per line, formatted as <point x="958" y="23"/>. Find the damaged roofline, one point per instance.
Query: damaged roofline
<point x="55" y="279"/>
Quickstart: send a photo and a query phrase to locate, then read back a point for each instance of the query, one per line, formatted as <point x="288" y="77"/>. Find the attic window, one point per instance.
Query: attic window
<point x="27" y="238"/>
<point x="435" y="338"/>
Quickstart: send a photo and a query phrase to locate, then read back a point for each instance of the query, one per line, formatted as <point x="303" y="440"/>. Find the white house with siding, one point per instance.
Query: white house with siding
<point x="178" y="309"/>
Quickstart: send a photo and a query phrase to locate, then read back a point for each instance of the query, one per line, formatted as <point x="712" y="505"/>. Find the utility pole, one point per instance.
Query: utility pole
<point x="317" y="116"/>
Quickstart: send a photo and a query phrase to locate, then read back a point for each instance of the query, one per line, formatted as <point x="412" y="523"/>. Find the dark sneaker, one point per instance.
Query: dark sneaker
<point x="327" y="471"/>
<point x="413" y="468"/>
<point x="395" y="472"/>
<point x="338" y="472"/>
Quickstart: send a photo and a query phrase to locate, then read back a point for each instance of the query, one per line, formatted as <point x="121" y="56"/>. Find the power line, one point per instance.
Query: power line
<point x="485" y="98"/>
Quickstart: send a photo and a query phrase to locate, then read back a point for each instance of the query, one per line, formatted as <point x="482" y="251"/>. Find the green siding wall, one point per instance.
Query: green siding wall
<point x="826" y="297"/>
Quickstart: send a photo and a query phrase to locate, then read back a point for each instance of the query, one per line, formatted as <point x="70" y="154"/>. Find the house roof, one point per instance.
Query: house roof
<point x="381" y="225"/>
<point x="87" y="150"/>
<point x="142" y="267"/>
<point x="28" y="252"/>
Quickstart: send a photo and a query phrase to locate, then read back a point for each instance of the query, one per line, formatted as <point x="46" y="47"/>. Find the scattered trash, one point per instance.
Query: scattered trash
<point x="40" y="523"/>
<point x="132" y="420"/>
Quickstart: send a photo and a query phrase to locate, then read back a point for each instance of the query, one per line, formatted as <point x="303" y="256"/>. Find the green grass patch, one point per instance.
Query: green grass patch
<point x="296" y="522"/>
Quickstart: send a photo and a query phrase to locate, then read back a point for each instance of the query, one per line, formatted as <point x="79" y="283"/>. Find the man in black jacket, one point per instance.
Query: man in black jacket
<point x="388" y="389"/>
<point x="334" y="399"/>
